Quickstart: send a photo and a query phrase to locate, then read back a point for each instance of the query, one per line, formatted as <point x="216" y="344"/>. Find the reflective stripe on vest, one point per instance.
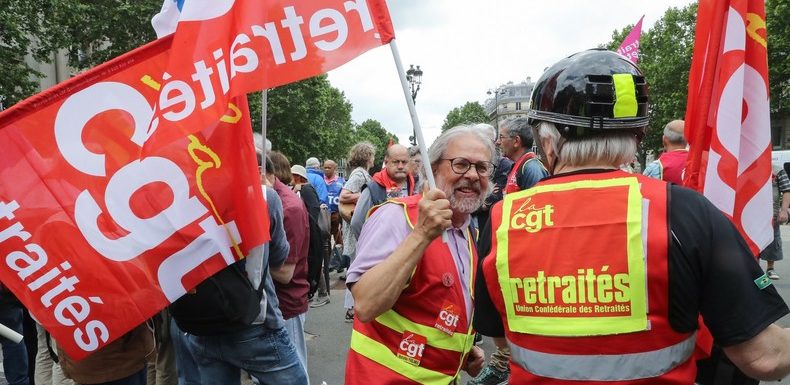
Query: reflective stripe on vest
<point x="436" y="338"/>
<point x="612" y="367"/>
<point x="460" y="343"/>
<point x="382" y="355"/>
<point x="524" y="316"/>
<point x="470" y="244"/>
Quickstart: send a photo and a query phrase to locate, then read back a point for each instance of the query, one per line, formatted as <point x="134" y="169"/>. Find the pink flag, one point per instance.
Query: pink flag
<point x="630" y="46"/>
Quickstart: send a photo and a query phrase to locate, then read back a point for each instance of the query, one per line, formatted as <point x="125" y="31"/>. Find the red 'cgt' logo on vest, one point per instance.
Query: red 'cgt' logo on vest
<point x="448" y="318"/>
<point x="411" y="347"/>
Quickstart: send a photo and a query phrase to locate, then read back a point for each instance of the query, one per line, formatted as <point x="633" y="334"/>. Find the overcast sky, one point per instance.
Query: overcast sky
<point x="467" y="47"/>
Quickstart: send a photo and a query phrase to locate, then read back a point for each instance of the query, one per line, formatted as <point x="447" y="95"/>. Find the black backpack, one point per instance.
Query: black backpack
<point x="315" y="252"/>
<point x="224" y="303"/>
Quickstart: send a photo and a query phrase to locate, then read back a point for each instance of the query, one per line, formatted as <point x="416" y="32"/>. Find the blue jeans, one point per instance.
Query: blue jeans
<point x="267" y="355"/>
<point x="186" y="366"/>
<point x="14" y="355"/>
<point x="295" y="328"/>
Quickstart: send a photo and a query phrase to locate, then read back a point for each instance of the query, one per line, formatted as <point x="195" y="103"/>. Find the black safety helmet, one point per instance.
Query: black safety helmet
<point x="591" y="91"/>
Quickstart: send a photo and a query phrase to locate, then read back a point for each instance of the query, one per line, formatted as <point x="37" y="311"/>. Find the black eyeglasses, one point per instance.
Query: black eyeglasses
<point x="462" y="165"/>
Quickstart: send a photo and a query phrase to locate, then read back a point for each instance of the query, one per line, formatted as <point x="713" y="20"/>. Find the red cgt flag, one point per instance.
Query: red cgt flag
<point x="727" y="120"/>
<point x="225" y="48"/>
<point x="96" y="238"/>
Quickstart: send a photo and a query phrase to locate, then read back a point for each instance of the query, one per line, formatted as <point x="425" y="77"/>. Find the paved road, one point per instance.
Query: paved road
<point x="328" y="334"/>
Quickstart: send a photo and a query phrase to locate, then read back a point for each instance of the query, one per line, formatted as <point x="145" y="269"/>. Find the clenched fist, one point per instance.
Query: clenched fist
<point x="435" y="214"/>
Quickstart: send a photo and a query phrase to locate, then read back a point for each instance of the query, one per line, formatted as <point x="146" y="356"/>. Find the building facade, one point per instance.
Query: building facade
<point x="53" y="72"/>
<point x="780" y="131"/>
<point x="508" y="101"/>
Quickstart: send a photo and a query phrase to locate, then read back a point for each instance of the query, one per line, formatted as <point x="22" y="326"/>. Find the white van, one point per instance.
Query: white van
<point x="779" y="158"/>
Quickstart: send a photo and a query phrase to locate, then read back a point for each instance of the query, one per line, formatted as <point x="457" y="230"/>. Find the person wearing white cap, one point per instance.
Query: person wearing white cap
<point x="298" y="170"/>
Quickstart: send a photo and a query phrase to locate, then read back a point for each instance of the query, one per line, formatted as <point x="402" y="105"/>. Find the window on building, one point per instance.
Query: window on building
<point x="518" y="106"/>
<point x="776" y="136"/>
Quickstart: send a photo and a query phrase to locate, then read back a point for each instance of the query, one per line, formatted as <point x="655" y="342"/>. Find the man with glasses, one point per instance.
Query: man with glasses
<point x="415" y="165"/>
<point x="411" y="287"/>
<point x="515" y="141"/>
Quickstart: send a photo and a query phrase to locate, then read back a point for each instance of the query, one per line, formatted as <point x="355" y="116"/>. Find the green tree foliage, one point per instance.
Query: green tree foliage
<point x="777" y="14"/>
<point x="17" y="24"/>
<point x="469" y="113"/>
<point x="307" y="118"/>
<point x="372" y="131"/>
<point x="312" y="118"/>
<point x="665" y="59"/>
<point x="91" y="32"/>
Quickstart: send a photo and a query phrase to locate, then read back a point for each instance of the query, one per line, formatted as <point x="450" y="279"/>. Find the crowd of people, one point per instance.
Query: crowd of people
<point x="533" y="235"/>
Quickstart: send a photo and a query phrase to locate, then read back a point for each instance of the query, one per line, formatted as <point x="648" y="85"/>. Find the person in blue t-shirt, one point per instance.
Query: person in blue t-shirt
<point x="334" y="183"/>
<point x="316" y="178"/>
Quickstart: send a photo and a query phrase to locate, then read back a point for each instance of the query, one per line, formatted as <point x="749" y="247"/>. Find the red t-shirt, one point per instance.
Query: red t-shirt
<point x="673" y="165"/>
<point x="293" y="295"/>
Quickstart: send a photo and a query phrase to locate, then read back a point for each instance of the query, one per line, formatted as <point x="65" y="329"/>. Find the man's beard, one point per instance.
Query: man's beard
<point x="465" y="205"/>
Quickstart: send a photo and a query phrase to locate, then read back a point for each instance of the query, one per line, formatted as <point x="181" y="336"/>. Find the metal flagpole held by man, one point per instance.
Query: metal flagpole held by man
<point x="413" y="112"/>
<point x="415" y="121"/>
<point x="264" y="108"/>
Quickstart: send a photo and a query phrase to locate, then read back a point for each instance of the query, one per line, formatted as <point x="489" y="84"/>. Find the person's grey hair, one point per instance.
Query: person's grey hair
<point x="312" y="162"/>
<point x="257" y="139"/>
<point x="487" y="129"/>
<point x="414" y="150"/>
<point x="360" y="154"/>
<point x="520" y="127"/>
<point x="439" y="146"/>
<point x="611" y="148"/>
<point x="674" y="137"/>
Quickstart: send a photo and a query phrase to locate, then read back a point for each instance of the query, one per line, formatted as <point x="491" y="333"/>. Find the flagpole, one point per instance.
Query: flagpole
<point x="415" y="121"/>
<point x="10" y="334"/>
<point x="264" y="102"/>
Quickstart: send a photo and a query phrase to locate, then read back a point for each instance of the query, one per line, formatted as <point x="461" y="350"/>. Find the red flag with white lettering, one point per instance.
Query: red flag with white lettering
<point x="96" y="238"/>
<point x="224" y="48"/>
<point x="727" y="120"/>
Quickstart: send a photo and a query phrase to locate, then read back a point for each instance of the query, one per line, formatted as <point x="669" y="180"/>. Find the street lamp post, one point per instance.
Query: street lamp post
<point x="498" y="91"/>
<point x="414" y="77"/>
